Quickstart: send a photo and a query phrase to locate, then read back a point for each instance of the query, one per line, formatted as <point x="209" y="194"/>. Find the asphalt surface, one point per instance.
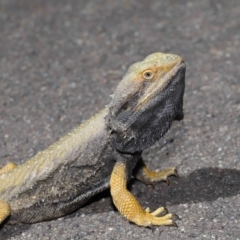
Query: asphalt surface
<point x="60" y="61"/>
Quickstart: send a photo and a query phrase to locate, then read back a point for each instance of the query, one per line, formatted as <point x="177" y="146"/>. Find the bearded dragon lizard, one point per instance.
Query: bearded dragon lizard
<point x="102" y="152"/>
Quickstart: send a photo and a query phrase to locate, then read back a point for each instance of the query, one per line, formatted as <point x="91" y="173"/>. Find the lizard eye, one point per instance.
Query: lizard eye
<point x="148" y="74"/>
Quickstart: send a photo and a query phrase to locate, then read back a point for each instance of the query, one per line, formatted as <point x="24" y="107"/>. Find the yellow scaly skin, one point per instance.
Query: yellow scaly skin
<point x="129" y="206"/>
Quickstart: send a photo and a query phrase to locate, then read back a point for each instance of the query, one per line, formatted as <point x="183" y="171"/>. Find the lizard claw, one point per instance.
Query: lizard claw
<point x="173" y="224"/>
<point x="176" y="173"/>
<point x="175" y="216"/>
<point x="167" y="181"/>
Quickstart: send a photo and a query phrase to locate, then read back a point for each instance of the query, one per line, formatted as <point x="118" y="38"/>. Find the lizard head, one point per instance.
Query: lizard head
<point x="146" y="101"/>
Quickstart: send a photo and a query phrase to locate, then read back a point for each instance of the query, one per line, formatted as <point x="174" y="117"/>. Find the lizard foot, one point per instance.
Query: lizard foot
<point x="147" y="176"/>
<point x="7" y="167"/>
<point x="162" y="175"/>
<point x="159" y="217"/>
<point x="4" y="210"/>
<point x="129" y="206"/>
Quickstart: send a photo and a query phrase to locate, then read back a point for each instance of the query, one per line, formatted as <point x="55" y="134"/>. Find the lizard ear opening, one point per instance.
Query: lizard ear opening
<point x="125" y="106"/>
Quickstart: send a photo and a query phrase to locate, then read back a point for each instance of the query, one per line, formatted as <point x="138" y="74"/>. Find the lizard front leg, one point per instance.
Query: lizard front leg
<point x="143" y="174"/>
<point x="7" y="167"/>
<point x="129" y="206"/>
<point x="5" y="210"/>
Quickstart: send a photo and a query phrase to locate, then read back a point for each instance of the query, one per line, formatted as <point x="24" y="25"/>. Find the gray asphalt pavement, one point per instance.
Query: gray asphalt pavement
<point x="60" y="61"/>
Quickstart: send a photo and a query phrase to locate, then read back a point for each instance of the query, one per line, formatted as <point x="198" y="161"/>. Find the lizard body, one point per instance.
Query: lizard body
<point x="102" y="152"/>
